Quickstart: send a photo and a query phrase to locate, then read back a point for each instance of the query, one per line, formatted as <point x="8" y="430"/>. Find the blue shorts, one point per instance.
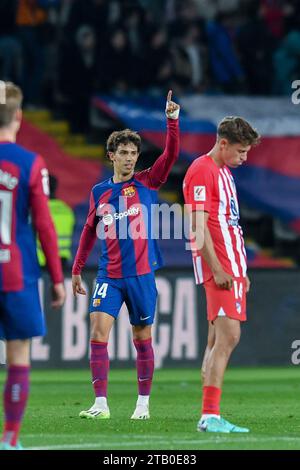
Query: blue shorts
<point x="21" y="316"/>
<point x="138" y="292"/>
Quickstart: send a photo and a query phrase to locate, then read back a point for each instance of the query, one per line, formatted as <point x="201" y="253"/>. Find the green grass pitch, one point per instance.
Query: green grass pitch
<point x="267" y="400"/>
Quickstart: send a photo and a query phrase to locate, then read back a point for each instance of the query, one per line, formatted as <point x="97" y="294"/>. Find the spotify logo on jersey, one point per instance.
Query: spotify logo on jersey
<point x="107" y="219"/>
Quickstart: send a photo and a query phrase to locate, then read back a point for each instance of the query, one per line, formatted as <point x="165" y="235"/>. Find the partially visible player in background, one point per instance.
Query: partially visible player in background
<point x="24" y="208"/>
<point x="219" y="257"/>
<point x="127" y="263"/>
<point x="64" y="220"/>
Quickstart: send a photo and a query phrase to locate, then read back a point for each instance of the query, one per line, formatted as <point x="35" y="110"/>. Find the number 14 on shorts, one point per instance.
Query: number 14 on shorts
<point x="100" y="290"/>
<point x="238" y="289"/>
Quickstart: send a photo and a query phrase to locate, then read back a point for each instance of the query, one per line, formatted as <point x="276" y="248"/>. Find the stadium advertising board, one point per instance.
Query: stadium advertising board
<point x="181" y="327"/>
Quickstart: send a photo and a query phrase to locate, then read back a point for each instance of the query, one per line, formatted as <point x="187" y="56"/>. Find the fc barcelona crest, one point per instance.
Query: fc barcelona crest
<point x="129" y="191"/>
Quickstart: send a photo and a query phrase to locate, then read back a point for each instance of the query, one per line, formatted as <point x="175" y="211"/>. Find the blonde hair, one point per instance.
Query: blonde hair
<point x="11" y="98"/>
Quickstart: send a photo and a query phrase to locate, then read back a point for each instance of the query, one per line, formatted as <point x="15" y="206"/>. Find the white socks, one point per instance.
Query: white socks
<point x="101" y="402"/>
<point x="143" y="400"/>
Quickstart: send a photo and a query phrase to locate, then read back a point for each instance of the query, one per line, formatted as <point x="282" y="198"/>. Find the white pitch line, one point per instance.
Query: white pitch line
<point x="84" y="435"/>
<point x="89" y="434"/>
<point x="218" y="440"/>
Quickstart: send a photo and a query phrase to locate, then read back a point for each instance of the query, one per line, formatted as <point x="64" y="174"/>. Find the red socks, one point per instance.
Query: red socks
<point x="99" y="364"/>
<point x="144" y="365"/>
<point x="211" y="400"/>
<point x="15" y="399"/>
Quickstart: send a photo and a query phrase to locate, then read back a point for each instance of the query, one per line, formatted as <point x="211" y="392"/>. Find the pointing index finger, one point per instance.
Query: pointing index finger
<point x="169" y="97"/>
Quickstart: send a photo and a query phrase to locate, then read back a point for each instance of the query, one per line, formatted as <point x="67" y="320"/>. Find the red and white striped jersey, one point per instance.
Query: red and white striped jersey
<point x="212" y="189"/>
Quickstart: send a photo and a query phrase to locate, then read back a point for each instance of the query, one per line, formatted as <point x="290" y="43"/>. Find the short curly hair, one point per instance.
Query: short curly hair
<point x="123" y="137"/>
<point x="237" y="131"/>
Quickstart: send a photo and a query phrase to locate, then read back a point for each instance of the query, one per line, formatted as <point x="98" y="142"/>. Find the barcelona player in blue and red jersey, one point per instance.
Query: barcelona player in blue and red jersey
<point x="23" y="210"/>
<point x="120" y="215"/>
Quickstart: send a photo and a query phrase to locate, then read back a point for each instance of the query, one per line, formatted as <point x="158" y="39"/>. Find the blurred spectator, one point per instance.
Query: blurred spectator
<point x="189" y="61"/>
<point x="255" y="46"/>
<point x="31" y="23"/>
<point x="227" y="71"/>
<point x="118" y="70"/>
<point x="291" y="14"/>
<point x="77" y="76"/>
<point x="65" y="11"/>
<point x="95" y="13"/>
<point x="133" y="21"/>
<point x="186" y="14"/>
<point x="272" y="12"/>
<point x="157" y="66"/>
<point x="227" y="6"/>
<point x="10" y="48"/>
<point x="210" y="8"/>
<point x="157" y="8"/>
<point x="286" y="60"/>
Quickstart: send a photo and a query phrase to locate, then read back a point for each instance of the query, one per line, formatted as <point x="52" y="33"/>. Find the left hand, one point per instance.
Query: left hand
<point x="77" y="285"/>
<point x="248" y="284"/>
<point x="58" y="294"/>
<point x="172" y="108"/>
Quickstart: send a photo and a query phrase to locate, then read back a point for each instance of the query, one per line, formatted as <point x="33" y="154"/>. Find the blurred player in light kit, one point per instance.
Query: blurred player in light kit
<point x="127" y="263"/>
<point x="219" y="259"/>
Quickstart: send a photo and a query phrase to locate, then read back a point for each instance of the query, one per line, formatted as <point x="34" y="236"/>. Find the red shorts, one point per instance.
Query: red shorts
<point x="226" y="303"/>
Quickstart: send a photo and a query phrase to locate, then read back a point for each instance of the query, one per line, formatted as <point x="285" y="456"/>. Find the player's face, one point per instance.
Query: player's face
<point x="234" y="155"/>
<point x="124" y="159"/>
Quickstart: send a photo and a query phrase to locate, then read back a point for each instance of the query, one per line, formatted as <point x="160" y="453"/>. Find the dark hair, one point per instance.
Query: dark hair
<point x="11" y="98"/>
<point x="237" y="131"/>
<point x="123" y="137"/>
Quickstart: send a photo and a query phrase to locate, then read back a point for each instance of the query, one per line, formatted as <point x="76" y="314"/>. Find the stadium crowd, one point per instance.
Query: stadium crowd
<point x="61" y="49"/>
<point x="62" y="52"/>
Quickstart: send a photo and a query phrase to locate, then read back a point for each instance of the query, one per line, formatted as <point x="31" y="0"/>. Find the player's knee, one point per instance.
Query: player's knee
<point x="233" y="339"/>
<point x="141" y="336"/>
<point x="227" y="343"/>
<point x="141" y="333"/>
<point x="18" y="352"/>
<point x="98" y="335"/>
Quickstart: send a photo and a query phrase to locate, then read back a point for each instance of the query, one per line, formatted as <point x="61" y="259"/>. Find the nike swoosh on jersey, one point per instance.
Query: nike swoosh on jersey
<point x="145" y="318"/>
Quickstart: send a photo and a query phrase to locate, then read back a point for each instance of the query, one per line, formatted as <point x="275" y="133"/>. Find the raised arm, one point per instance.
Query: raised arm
<point x="156" y="175"/>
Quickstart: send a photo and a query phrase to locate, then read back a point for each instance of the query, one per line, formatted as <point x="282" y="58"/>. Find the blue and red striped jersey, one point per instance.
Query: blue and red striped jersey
<point x="24" y="210"/>
<point x="120" y="215"/>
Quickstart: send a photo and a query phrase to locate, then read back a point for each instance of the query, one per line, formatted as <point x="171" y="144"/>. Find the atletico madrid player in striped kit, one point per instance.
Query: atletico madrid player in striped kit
<point x="120" y="214"/>
<point x="219" y="256"/>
